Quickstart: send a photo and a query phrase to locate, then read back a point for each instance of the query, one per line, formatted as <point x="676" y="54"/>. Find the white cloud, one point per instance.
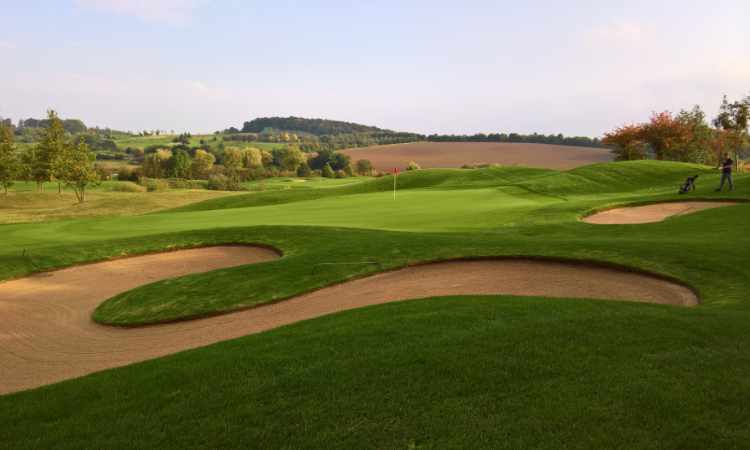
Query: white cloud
<point x="163" y="11"/>
<point x="6" y="45"/>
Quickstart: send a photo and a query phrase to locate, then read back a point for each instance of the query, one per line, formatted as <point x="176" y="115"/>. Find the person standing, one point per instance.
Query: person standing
<point x="726" y="173"/>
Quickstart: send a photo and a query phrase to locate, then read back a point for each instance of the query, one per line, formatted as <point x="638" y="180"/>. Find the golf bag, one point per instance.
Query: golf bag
<point x="689" y="185"/>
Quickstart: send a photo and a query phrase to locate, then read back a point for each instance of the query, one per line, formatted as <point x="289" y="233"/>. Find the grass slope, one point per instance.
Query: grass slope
<point x="23" y="204"/>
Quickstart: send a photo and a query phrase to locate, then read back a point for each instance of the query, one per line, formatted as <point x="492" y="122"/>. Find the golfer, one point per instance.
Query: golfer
<point x="726" y="173"/>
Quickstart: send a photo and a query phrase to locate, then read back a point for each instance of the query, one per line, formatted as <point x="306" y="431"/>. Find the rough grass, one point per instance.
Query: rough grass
<point x="23" y="204"/>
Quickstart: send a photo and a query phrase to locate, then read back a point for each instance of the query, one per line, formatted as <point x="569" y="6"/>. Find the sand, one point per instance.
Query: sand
<point x="47" y="335"/>
<point x="455" y="154"/>
<point x="650" y="213"/>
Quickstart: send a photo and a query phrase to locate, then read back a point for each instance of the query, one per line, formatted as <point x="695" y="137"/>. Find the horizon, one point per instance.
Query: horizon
<point x="195" y="66"/>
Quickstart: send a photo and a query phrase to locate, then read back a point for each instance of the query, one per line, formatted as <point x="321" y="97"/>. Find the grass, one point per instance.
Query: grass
<point x="461" y="372"/>
<point x="24" y="205"/>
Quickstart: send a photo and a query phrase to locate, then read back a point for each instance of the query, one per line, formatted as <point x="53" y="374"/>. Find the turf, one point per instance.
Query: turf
<point x="485" y="372"/>
<point x="23" y="204"/>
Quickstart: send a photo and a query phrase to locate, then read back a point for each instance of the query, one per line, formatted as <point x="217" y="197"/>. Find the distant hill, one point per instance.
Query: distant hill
<point x="317" y="127"/>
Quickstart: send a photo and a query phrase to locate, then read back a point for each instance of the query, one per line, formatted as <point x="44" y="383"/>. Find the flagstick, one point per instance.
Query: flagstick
<point x="395" y="176"/>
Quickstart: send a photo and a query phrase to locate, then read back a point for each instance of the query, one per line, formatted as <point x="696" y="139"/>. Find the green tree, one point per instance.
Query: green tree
<point x="155" y="163"/>
<point x="49" y="151"/>
<point x="267" y="158"/>
<point x="327" y="171"/>
<point x="289" y="158"/>
<point x="253" y="158"/>
<point x="413" y="166"/>
<point x="202" y="164"/>
<point x="179" y="164"/>
<point x="233" y="161"/>
<point x="303" y="170"/>
<point x="9" y="164"/>
<point x="340" y="161"/>
<point x="733" y="120"/>
<point x="76" y="169"/>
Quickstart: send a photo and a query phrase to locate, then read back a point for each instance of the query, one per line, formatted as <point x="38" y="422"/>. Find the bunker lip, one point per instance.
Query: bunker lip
<point x="171" y="249"/>
<point x="653" y="212"/>
<point x="582" y="263"/>
<point x="47" y="334"/>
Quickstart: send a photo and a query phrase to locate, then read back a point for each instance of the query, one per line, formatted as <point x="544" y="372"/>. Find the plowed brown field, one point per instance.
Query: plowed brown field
<point x="455" y="154"/>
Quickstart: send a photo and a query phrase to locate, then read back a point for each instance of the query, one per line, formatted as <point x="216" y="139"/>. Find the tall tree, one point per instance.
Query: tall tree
<point x="233" y="162"/>
<point x="9" y="164"/>
<point x="49" y="151"/>
<point x="155" y="164"/>
<point x="289" y="158"/>
<point x="253" y="158"/>
<point x="76" y="169"/>
<point x="733" y="120"/>
<point x="179" y="164"/>
<point x="203" y="162"/>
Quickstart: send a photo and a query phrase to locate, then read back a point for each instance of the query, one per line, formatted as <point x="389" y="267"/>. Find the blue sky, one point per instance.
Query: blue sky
<point x="576" y="67"/>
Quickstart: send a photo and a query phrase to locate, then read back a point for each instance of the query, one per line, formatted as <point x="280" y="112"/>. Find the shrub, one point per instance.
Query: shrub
<point x="181" y="183"/>
<point x="222" y="183"/>
<point x="127" y="186"/>
<point x="303" y="170"/>
<point x="327" y="171"/>
<point x="154" y="184"/>
<point x="364" y="167"/>
<point x="413" y="166"/>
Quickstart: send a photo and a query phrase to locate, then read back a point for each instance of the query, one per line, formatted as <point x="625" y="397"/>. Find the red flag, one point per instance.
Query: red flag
<point x="395" y="170"/>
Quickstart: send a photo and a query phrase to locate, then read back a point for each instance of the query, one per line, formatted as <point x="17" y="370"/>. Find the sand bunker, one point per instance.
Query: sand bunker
<point x="46" y="334"/>
<point x="650" y="213"/>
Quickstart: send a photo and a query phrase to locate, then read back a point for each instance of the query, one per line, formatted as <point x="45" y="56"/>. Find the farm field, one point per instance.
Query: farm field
<point x="455" y="154"/>
<point x="459" y="371"/>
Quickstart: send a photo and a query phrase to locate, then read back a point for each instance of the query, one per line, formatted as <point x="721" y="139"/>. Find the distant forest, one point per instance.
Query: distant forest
<point x="315" y="134"/>
<point x="555" y="139"/>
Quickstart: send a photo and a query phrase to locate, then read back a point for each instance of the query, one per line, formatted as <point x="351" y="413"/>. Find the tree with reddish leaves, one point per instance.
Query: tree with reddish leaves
<point x="627" y="142"/>
<point x="665" y="134"/>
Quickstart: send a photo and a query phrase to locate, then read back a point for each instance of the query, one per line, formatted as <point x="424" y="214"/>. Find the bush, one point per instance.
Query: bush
<point x="154" y="184"/>
<point x="303" y="170"/>
<point x="340" y="174"/>
<point x="364" y="167"/>
<point x="327" y="171"/>
<point x="222" y="183"/>
<point x="413" y="166"/>
<point x="181" y="183"/>
<point x="127" y="186"/>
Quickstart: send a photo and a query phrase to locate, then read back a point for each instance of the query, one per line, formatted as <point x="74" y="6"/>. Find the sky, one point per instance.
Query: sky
<point x="573" y="67"/>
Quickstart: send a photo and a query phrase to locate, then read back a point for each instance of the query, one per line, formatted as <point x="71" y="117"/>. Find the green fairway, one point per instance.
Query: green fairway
<point x="462" y="372"/>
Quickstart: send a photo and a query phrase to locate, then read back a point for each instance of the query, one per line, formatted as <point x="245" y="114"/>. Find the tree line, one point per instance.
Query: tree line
<point x="686" y="136"/>
<point x="55" y="157"/>
<point x="535" y="138"/>
<point x="243" y="164"/>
